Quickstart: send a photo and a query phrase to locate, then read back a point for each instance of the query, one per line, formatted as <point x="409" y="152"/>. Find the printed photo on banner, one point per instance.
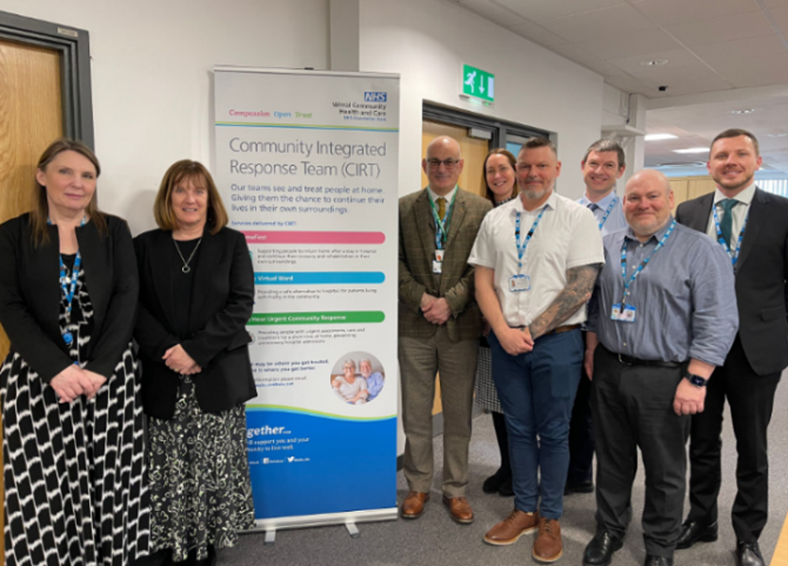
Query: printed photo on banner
<point x="357" y="378"/>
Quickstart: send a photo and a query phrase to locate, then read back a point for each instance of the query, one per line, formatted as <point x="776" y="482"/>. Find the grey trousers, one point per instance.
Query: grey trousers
<point x="632" y="407"/>
<point x="420" y="360"/>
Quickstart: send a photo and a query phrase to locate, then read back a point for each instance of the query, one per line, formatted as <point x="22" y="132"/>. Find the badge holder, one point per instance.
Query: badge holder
<point x="627" y="314"/>
<point x="519" y="283"/>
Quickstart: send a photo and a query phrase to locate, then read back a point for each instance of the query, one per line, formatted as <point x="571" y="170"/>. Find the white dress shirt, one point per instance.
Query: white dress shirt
<point x="567" y="236"/>
<point x="739" y="213"/>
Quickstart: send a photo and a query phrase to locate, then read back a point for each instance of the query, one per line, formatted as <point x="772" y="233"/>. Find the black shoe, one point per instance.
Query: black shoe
<point x="652" y="560"/>
<point x="495" y="481"/>
<point x="599" y="551"/>
<point x="692" y="532"/>
<point x="748" y="554"/>
<point x="583" y="487"/>
<point x="506" y="489"/>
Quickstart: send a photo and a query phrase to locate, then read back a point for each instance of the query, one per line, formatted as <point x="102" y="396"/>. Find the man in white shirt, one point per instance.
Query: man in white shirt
<point x="536" y="261"/>
<point x="602" y="166"/>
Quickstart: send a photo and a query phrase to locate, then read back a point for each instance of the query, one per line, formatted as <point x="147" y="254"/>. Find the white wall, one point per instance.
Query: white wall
<point x="426" y="41"/>
<point x="152" y="102"/>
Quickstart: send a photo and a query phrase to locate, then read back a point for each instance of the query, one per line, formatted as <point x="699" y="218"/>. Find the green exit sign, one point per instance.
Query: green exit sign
<point x="477" y="83"/>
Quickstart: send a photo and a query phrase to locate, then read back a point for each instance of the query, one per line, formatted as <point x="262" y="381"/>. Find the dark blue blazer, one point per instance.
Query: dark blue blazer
<point x="761" y="274"/>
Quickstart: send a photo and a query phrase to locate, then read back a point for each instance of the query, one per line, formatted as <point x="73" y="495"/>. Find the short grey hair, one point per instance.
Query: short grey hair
<point x="349" y="362"/>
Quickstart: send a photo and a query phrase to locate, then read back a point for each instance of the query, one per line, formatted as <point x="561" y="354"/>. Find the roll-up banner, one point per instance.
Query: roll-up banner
<point x="306" y="162"/>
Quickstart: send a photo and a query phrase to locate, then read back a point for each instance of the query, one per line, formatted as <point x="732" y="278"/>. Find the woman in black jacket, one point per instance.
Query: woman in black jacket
<point x="196" y="296"/>
<point x="72" y="443"/>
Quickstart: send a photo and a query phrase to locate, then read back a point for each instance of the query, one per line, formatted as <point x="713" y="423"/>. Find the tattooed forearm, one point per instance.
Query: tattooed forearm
<point x="579" y="284"/>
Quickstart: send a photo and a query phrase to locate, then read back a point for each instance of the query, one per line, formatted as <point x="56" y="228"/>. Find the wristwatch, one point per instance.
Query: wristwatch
<point x="696" y="380"/>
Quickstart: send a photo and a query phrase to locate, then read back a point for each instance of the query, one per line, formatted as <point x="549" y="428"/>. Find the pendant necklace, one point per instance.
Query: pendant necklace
<point x="186" y="262"/>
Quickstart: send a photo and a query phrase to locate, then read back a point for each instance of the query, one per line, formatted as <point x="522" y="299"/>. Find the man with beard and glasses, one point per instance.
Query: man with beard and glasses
<point x="662" y="317"/>
<point x="536" y="261"/>
<point x="752" y="227"/>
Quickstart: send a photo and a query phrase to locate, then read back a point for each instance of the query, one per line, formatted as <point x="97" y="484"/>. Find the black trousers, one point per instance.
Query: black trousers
<point x="581" y="436"/>
<point x="632" y="407"/>
<point x="751" y="399"/>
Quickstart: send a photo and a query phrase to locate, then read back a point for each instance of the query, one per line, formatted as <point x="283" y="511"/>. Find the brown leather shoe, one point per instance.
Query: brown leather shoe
<point x="548" y="546"/>
<point x="517" y="524"/>
<point x="413" y="506"/>
<point x="460" y="509"/>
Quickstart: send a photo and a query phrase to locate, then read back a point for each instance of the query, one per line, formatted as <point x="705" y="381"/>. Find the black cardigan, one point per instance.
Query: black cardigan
<point x="30" y="294"/>
<point x="222" y="300"/>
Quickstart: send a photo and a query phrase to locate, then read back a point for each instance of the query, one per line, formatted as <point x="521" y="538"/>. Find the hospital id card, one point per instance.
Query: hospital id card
<point x="627" y="315"/>
<point x="439" y="255"/>
<point x="437" y="266"/>
<point x="519" y="283"/>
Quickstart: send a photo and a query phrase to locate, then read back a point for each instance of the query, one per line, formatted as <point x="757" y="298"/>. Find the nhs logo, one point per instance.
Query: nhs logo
<point x="375" y="96"/>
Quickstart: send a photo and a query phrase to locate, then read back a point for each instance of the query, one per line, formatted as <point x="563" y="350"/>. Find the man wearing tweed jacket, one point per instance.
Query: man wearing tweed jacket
<point x="439" y="326"/>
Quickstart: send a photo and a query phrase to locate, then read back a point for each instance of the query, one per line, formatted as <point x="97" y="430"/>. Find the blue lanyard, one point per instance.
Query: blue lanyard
<point x="521" y="248"/>
<point x="607" y="212"/>
<point x="69" y="285"/>
<point x="734" y="255"/>
<point x="631" y="280"/>
<point x="442" y="226"/>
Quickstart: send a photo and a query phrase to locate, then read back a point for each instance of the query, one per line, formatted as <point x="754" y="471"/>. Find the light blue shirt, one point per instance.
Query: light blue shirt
<point x="685" y="298"/>
<point x="374" y="385"/>
<point x="615" y="220"/>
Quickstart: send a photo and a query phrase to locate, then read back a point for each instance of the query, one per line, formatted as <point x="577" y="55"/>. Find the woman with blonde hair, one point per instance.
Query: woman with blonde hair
<point x="72" y="417"/>
<point x="196" y="296"/>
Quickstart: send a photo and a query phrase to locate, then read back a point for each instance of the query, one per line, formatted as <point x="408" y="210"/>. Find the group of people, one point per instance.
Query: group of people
<point x="83" y="484"/>
<point x="608" y="326"/>
<point x="358" y="389"/>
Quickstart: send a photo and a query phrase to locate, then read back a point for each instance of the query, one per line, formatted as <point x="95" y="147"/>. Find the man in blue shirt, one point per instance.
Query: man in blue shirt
<point x="661" y="319"/>
<point x="374" y="379"/>
<point x="602" y="166"/>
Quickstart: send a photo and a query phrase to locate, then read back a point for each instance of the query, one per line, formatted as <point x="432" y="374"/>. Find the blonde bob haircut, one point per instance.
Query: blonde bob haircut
<point x="195" y="171"/>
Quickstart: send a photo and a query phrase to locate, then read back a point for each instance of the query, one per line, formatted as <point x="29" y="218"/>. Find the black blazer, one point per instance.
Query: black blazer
<point x="761" y="274"/>
<point x="30" y="294"/>
<point x="222" y="299"/>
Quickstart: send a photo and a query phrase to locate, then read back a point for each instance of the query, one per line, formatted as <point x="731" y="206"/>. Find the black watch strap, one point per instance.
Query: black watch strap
<point x="696" y="380"/>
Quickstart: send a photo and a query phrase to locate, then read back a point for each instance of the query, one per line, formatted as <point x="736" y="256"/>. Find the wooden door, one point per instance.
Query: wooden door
<point x="473" y="152"/>
<point x="30" y="119"/>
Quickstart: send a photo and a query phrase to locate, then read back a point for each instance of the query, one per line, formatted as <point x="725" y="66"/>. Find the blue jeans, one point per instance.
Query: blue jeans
<point x="537" y="391"/>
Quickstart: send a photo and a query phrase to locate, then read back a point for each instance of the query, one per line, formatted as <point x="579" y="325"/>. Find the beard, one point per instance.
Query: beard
<point x="733" y="186"/>
<point x="534" y="194"/>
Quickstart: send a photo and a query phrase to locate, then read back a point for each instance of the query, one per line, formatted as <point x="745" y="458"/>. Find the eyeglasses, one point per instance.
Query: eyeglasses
<point x="449" y="163"/>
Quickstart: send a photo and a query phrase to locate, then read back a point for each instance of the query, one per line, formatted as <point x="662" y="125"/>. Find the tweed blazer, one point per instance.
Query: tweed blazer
<point x="455" y="283"/>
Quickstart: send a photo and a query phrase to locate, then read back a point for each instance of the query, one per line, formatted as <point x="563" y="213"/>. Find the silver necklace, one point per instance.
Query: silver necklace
<point x="186" y="262"/>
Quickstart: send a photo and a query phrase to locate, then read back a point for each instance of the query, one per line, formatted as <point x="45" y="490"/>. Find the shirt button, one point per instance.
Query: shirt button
<point x="625" y="343"/>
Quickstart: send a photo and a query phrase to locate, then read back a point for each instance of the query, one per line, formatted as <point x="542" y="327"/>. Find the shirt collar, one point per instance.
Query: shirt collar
<point x="448" y="197"/>
<point x="603" y="203"/>
<point x="630" y="234"/>
<point x="745" y="196"/>
<point x="517" y="204"/>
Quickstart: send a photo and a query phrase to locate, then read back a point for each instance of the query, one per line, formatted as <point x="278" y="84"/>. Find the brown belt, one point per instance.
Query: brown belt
<point x="557" y="330"/>
<point x="565" y="328"/>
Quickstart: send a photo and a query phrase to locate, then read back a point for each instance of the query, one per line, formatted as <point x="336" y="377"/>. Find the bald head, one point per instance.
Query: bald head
<point x="648" y="200"/>
<point x="443" y="164"/>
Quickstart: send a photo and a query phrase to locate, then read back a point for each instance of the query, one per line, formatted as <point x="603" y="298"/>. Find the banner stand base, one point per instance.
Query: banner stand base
<point x="348" y="519"/>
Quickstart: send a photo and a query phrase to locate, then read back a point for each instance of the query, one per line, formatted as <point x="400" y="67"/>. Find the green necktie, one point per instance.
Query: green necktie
<point x="441" y="202"/>
<point x="726" y="225"/>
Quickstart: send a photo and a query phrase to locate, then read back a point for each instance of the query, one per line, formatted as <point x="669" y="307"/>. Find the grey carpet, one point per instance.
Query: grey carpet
<point x="435" y="540"/>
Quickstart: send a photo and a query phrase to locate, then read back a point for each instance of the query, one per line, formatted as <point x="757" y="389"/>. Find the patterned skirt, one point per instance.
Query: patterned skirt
<point x="74" y="472"/>
<point x="201" y="494"/>
<point x="486" y="394"/>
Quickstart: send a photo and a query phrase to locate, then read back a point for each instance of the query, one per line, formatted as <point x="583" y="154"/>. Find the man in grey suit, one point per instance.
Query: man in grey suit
<point x="752" y="227"/>
<point x="439" y="326"/>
